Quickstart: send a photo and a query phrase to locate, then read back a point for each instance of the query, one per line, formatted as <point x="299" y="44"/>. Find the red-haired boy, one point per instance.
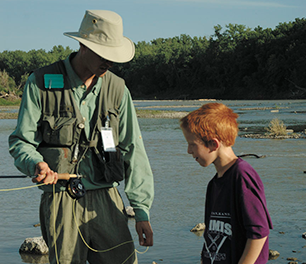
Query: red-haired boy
<point x="236" y="215"/>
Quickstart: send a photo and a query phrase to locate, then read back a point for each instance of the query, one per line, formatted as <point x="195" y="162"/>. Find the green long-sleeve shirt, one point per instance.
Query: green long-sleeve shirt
<point x="23" y="142"/>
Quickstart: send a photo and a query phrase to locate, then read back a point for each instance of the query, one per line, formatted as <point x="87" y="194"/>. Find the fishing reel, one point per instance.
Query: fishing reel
<point x="75" y="188"/>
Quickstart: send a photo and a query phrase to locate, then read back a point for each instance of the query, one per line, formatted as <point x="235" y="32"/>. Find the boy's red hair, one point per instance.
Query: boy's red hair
<point x="212" y="120"/>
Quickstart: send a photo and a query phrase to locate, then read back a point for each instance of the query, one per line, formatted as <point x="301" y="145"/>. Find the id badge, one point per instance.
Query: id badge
<point x="108" y="139"/>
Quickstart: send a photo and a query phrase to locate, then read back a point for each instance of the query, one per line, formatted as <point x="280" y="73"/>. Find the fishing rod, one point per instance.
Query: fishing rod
<point x="15" y="176"/>
<point x="61" y="176"/>
<point x="74" y="186"/>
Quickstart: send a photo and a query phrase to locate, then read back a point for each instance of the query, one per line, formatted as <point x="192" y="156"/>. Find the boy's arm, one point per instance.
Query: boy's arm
<point x="252" y="250"/>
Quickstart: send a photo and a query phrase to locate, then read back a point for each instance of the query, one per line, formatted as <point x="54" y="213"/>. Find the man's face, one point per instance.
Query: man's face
<point x="96" y="64"/>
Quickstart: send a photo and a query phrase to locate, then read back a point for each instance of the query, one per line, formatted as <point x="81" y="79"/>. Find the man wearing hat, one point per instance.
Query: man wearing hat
<point x="77" y="117"/>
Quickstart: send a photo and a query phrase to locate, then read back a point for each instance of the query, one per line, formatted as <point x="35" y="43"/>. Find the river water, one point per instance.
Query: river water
<point x="180" y="184"/>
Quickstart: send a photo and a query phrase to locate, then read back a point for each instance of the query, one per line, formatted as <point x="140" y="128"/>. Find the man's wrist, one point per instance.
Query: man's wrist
<point x="141" y="215"/>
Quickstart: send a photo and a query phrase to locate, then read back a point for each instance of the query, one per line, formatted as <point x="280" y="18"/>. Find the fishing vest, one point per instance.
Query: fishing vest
<point x="64" y="143"/>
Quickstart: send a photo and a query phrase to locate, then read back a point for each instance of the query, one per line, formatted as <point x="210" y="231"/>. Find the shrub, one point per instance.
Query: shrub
<point x="7" y="84"/>
<point x="10" y="101"/>
<point x="277" y="128"/>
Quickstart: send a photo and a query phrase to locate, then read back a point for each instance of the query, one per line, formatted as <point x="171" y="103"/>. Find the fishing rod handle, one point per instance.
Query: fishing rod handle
<point x="66" y="176"/>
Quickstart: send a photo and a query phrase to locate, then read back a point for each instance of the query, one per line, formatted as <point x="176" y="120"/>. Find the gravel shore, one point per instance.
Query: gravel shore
<point x="11" y="112"/>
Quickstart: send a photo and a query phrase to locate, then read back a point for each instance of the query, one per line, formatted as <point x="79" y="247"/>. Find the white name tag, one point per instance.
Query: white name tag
<point x="108" y="139"/>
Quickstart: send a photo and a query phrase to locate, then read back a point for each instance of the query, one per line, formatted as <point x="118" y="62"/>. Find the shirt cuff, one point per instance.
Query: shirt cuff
<point x="32" y="166"/>
<point x="141" y="215"/>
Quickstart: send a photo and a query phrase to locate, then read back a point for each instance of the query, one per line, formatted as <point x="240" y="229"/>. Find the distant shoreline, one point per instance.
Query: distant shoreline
<point x="6" y="113"/>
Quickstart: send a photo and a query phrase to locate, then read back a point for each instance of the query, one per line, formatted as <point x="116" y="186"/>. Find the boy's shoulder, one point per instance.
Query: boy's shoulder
<point x="242" y="166"/>
<point x="244" y="172"/>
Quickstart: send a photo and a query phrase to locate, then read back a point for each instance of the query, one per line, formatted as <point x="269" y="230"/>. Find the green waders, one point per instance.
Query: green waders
<point x="102" y="221"/>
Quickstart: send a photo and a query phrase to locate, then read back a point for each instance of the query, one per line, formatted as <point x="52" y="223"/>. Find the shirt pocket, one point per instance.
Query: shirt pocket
<point x="58" y="131"/>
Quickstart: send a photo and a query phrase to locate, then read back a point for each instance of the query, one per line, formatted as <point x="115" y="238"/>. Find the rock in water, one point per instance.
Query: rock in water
<point x="198" y="227"/>
<point x="273" y="254"/>
<point x="35" y="245"/>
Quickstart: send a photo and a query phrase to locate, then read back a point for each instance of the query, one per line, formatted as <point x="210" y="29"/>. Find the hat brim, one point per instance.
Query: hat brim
<point x="121" y="54"/>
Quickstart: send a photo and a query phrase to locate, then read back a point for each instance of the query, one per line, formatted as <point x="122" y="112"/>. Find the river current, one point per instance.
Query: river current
<point x="180" y="184"/>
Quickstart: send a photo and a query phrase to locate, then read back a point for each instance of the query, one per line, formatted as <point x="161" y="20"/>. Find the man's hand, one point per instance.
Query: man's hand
<point x="145" y="233"/>
<point x="45" y="174"/>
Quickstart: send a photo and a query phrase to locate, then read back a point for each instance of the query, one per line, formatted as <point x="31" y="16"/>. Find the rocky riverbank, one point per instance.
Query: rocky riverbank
<point x="160" y="114"/>
<point x="263" y="136"/>
<point x="35" y="250"/>
<point x="11" y="112"/>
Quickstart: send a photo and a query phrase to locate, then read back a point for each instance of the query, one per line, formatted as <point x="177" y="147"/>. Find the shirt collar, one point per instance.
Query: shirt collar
<point x="75" y="80"/>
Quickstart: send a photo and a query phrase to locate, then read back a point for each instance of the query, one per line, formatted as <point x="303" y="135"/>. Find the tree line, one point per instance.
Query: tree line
<point x="236" y="62"/>
<point x="15" y="66"/>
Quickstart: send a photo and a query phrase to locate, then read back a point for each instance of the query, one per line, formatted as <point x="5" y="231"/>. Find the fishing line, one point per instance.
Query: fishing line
<point x="105" y="250"/>
<point x="54" y="227"/>
<point x="22" y="188"/>
<point x="79" y="231"/>
<point x="54" y="210"/>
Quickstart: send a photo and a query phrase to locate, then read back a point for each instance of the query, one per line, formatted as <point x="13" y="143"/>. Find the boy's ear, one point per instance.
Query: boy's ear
<point x="214" y="144"/>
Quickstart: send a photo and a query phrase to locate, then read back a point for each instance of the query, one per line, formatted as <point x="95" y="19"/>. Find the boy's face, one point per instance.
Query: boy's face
<point x="202" y="154"/>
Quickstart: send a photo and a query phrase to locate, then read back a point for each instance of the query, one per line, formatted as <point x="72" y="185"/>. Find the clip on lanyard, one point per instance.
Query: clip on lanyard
<point x="107" y="137"/>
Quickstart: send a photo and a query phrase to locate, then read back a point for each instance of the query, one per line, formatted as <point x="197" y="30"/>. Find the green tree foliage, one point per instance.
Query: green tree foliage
<point x="18" y="64"/>
<point x="236" y="62"/>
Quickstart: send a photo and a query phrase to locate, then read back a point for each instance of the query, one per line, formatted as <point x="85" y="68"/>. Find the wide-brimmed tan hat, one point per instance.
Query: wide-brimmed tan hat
<point x="102" y="32"/>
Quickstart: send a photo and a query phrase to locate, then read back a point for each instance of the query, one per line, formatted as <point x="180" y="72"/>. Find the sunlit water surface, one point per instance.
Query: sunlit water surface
<point x="180" y="185"/>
